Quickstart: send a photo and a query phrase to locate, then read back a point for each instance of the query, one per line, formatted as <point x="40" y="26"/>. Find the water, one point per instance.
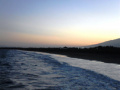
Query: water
<point x="23" y="70"/>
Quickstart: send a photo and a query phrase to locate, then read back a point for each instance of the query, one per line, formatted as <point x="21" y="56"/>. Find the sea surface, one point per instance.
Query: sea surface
<point x="27" y="70"/>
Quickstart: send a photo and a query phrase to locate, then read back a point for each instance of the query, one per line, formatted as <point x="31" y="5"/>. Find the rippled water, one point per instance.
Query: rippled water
<point x="23" y="70"/>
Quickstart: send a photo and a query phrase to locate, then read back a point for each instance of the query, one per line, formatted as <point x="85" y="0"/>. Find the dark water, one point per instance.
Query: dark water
<point x="22" y="70"/>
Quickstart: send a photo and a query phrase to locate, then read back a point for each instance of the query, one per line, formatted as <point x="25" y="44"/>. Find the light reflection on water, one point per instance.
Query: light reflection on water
<point x="22" y="70"/>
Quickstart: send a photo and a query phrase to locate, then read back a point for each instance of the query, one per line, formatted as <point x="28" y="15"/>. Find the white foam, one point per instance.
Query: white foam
<point x="109" y="69"/>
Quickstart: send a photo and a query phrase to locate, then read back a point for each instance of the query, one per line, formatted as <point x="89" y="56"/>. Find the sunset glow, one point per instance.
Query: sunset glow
<point x="44" y="23"/>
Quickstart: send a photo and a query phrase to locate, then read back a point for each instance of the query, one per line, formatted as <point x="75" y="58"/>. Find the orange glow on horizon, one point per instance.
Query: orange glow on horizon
<point x="40" y="40"/>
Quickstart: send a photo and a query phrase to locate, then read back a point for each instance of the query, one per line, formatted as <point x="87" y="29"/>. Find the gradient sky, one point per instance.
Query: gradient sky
<point x="34" y="23"/>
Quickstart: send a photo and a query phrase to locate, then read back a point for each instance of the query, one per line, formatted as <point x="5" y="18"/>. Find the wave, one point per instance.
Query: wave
<point x="36" y="71"/>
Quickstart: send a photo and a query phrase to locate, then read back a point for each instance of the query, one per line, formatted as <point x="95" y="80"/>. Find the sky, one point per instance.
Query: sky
<point x="50" y="23"/>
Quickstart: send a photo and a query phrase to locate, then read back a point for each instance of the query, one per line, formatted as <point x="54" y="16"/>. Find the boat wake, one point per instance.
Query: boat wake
<point x="24" y="70"/>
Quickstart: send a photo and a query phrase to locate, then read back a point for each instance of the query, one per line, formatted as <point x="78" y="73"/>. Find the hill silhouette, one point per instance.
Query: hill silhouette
<point x="114" y="43"/>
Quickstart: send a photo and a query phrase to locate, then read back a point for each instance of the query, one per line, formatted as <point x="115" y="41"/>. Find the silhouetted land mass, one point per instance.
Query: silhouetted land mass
<point x="107" y="54"/>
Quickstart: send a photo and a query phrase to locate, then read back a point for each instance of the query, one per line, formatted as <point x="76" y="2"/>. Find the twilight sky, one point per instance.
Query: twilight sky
<point x="34" y="23"/>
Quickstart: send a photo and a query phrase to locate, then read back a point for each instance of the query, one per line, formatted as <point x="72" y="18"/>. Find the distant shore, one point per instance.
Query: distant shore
<point x="107" y="58"/>
<point x="104" y="54"/>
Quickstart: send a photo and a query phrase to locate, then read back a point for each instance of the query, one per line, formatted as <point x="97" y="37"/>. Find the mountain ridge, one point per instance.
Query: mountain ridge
<point x="114" y="43"/>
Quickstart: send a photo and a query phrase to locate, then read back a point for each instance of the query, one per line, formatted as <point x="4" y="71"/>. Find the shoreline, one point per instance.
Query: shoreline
<point x="107" y="58"/>
<point x="103" y="54"/>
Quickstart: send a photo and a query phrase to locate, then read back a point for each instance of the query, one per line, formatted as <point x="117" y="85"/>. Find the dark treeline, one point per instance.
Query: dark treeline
<point x="107" y="54"/>
<point x="99" y="49"/>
